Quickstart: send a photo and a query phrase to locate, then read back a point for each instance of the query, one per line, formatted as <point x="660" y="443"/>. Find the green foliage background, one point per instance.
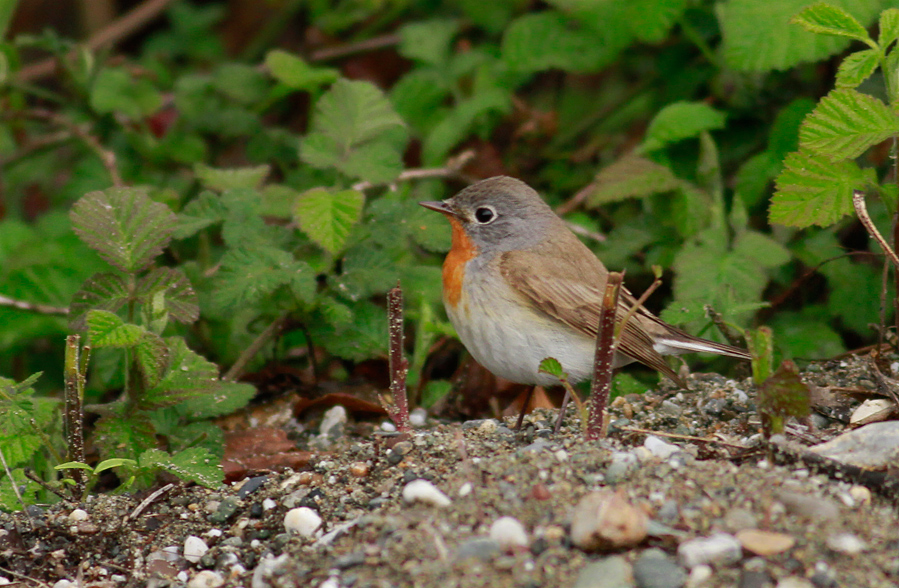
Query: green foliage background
<point x="287" y="174"/>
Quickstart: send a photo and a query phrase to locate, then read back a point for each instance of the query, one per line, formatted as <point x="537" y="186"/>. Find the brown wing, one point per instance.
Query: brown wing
<point x="570" y="289"/>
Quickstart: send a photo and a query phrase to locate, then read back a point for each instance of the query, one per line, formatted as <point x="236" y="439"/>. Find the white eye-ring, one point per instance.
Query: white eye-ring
<point x="485" y="215"/>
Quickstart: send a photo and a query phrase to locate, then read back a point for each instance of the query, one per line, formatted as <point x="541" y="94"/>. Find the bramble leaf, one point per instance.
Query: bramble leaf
<point x="829" y="20"/>
<point x="106" y="329"/>
<point x="180" y="297"/>
<point x="105" y="291"/>
<point x="889" y="27"/>
<point x="632" y="176"/>
<point x="248" y="275"/>
<point x="327" y="218"/>
<point x="221" y="179"/>
<point x="292" y="71"/>
<point x="152" y="356"/>
<point x="679" y="121"/>
<point x="428" y="42"/>
<point x="846" y="123"/>
<point x="194" y="464"/>
<point x="551" y="366"/>
<point x="857" y="68"/>
<point x="124" y="226"/>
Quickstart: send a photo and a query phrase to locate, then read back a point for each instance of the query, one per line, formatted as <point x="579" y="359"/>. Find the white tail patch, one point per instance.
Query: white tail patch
<point x="675" y="347"/>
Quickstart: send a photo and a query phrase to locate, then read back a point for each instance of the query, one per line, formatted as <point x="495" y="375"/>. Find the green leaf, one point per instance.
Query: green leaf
<point x="551" y="366"/>
<point x="180" y="297"/>
<point x="220" y="179"/>
<point x="201" y="212"/>
<point x="434" y="390"/>
<point x="457" y="125"/>
<point x="783" y="394"/>
<point x="889" y="27"/>
<point x="762" y="249"/>
<point x="632" y="176"/>
<point x="428" y="42"/>
<point x="807" y="334"/>
<point x="194" y="464"/>
<point x="27" y="489"/>
<point x="124" y="436"/>
<point x="188" y="375"/>
<point x="854" y="293"/>
<point x="350" y="131"/>
<point x="857" y="68"/>
<point x="124" y="226"/>
<point x="679" y="121"/>
<point x="829" y="20"/>
<point x="846" y="123"/>
<point x="152" y="357"/>
<point x="114" y="90"/>
<point x="115" y="462"/>
<point x="365" y="337"/>
<point x="222" y="398"/>
<point x="294" y="72"/>
<point x="241" y="83"/>
<point x="106" y="329"/>
<point x="7" y="8"/>
<point x="758" y="36"/>
<point x="761" y="346"/>
<point x="73" y="465"/>
<point x="327" y="218"/>
<point x="105" y="291"/>
<point x="816" y="191"/>
<point x="247" y="275"/>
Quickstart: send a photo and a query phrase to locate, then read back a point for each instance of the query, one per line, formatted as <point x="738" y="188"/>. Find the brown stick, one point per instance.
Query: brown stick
<point x="858" y="202"/>
<point x="451" y="170"/>
<point x="237" y="368"/>
<point x="31" y="307"/>
<point x="602" y="360"/>
<point x="399" y="367"/>
<point x="116" y="31"/>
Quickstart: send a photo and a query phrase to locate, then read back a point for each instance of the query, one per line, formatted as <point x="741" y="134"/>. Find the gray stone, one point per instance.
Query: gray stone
<point x="811" y="507"/>
<point x="481" y="548"/>
<point x="720" y="548"/>
<point x="654" y="569"/>
<point x="609" y="572"/>
<point x="225" y="510"/>
<point x="873" y="446"/>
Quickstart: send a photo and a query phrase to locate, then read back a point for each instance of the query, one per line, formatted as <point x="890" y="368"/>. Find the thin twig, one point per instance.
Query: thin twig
<point x="584" y="232"/>
<point x="24" y="577"/>
<point x="643" y="298"/>
<point x="372" y="44"/>
<point x="601" y="385"/>
<point x="858" y="201"/>
<point x="12" y="482"/>
<point x="115" y="32"/>
<point x="683" y="437"/>
<point x="31" y="476"/>
<point x="107" y="157"/>
<point x="450" y="170"/>
<point x="398" y="410"/>
<point x="148" y="501"/>
<point x="32" y="307"/>
<point x="576" y="200"/>
<point x="270" y="332"/>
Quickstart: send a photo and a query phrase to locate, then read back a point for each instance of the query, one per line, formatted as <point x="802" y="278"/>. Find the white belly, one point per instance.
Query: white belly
<point x="510" y="339"/>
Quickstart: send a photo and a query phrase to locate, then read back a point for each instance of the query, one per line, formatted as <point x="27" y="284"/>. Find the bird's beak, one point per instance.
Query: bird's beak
<point x="439" y="206"/>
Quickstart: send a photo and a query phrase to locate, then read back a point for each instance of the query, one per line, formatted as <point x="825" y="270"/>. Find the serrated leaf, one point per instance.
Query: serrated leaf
<point x="551" y="366"/>
<point x="180" y="297"/>
<point x="347" y="118"/>
<point x="124" y="226"/>
<point x="124" y="436"/>
<point x="812" y="190"/>
<point x="762" y="249"/>
<point x="248" y="275"/>
<point x="806" y="334"/>
<point x="292" y="71"/>
<point x="758" y="36"/>
<point x="206" y="209"/>
<point x="152" y="357"/>
<point x="194" y="464"/>
<point x="222" y="398"/>
<point x="846" y="123"/>
<point x="303" y="282"/>
<point x="857" y="68"/>
<point x="889" y="27"/>
<point x="362" y="338"/>
<point x="457" y="125"/>
<point x="221" y="179"/>
<point x="783" y="394"/>
<point x="825" y="19"/>
<point x="101" y="292"/>
<point x="106" y="329"/>
<point x="428" y="42"/>
<point x="114" y="90"/>
<point x="188" y="374"/>
<point x="679" y="121"/>
<point x="632" y="176"/>
<point x="327" y="218"/>
<point x="27" y="489"/>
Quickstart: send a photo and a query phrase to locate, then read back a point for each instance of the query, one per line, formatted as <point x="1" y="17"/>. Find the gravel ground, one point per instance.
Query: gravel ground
<point x="699" y="502"/>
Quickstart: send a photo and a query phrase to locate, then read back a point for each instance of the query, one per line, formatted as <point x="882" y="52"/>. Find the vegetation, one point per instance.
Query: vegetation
<point x="190" y="203"/>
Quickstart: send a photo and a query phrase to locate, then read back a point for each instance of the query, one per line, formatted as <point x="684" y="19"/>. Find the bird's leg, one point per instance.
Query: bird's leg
<point x="524" y="407"/>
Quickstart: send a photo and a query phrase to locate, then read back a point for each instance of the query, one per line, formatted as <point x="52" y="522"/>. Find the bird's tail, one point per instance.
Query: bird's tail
<point x="680" y="342"/>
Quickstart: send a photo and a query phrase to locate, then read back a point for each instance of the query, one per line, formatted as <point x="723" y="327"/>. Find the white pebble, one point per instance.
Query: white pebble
<point x="659" y="448"/>
<point x="206" y="579"/>
<point x="331" y="582"/>
<point x="303" y="521"/>
<point x="509" y="533"/>
<point x="860" y="494"/>
<point x="465" y="489"/>
<point x="268" y="504"/>
<point x="720" y="548"/>
<point x="418" y="417"/>
<point x="78" y="515"/>
<point x="194" y="548"/>
<point x="181" y="576"/>
<point x="334" y="416"/>
<point x="561" y="455"/>
<point x="847" y="543"/>
<point x="794" y="582"/>
<point x="213" y="533"/>
<point x="388" y="427"/>
<point x="4" y="581"/>
<point x="425" y="492"/>
<point x="700" y="577"/>
<point x="64" y="584"/>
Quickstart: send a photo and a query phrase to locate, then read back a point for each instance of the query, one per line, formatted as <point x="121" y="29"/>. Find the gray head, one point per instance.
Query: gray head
<point x="500" y="213"/>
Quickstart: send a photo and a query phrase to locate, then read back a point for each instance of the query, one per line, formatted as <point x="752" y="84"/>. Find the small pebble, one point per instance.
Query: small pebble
<point x="720" y="548"/>
<point x="794" y="582"/>
<point x="78" y="515"/>
<point x="754" y="579"/>
<point x="609" y="572"/>
<point x="388" y="427"/>
<point x="659" y="448"/>
<point x="206" y="579"/>
<point x="765" y="543"/>
<point x="333" y="422"/>
<point x="194" y="548"/>
<point x="605" y="520"/>
<point x="847" y="543"/>
<point x="225" y="510"/>
<point x="331" y="582"/>
<point x="861" y="494"/>
<point x="465" y="489"/>
<point x="359" y="469"/>
<point x="480" y="548"/>
<point x="251" y="485"/>
<point x="509" y="533"/>
<point x="700" y="577"/>
<point x="64" y="584"/>
<point x="418" y="417"/>
<point x="738" y="519"/>
<point x="810" y="507"/>
<point x="425" y="492"/>
<point x="268" y="504"/>
<point x="4" y="581"/>
<point x="654" y="569"/>
<point x="303" y="521"/>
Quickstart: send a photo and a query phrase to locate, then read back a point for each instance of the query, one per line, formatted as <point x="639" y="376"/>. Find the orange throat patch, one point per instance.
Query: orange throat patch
<point x="462" y="251"/>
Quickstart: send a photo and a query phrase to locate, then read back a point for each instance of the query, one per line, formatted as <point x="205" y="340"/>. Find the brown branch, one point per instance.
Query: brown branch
<point x="270" y="332"/>
<point x="858" y="201"/>
<point x="451" y="170"/>
<point x="115" y="32"/>
<point x="398" y="410"/>
<point x="339" y="51"/>
<point x="32" y="307"/>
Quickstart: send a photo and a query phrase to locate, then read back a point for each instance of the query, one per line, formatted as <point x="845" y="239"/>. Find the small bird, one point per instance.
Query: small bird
<point x="519" y="287"/>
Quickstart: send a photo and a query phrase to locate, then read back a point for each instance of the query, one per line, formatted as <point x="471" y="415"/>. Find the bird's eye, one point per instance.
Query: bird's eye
<point x="485" y="215"/>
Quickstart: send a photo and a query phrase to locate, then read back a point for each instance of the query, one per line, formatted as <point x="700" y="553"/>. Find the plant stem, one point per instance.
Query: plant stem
<point x="32" y="307"/>
<point x="74" y="388"/>
<point x="399" y="410"/>
<point x="271" y="331"/>
<point x="858" y="201"/>
<point x="602" y="360"/>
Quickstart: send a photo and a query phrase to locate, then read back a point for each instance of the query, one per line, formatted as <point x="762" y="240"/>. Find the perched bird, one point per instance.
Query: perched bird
<point x="519" y="287"/>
